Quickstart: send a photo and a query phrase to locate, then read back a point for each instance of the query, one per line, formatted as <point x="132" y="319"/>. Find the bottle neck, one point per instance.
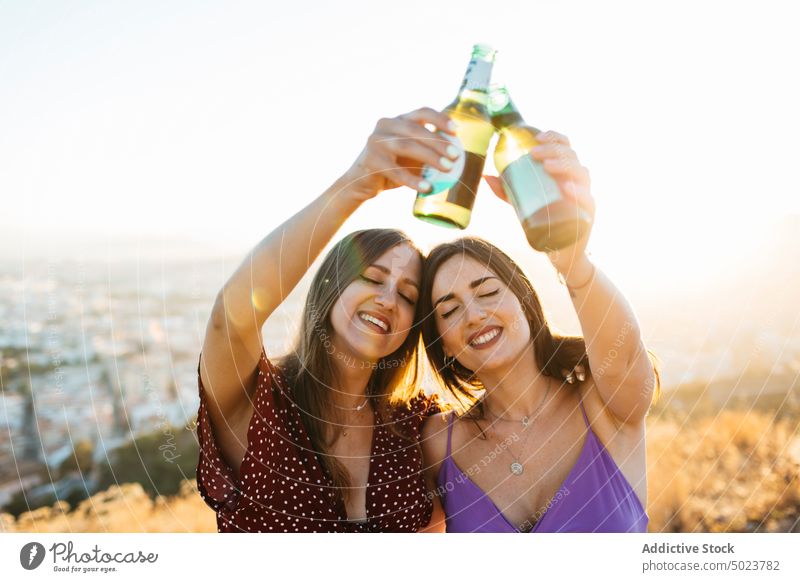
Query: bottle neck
<point x="506" y="118"/>
<point x="478" y="75"/>
<point x="502" y="109"/>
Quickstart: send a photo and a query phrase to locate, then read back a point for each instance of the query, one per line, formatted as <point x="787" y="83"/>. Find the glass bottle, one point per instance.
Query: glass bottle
<point x="452" y="195"/>
<point x="549" y="220"/>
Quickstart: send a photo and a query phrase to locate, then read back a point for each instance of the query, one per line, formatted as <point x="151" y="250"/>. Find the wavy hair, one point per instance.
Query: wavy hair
<point x="310" y="368"/>
<point x="553" y="352"/>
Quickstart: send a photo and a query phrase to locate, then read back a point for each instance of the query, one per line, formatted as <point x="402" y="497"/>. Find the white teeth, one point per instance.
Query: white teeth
<point x="374" y="320"/>
<point x="485" y="337"/>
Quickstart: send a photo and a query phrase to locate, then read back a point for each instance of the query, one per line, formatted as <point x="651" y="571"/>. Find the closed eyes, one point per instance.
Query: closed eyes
<point x="489" y="294"/>
<point x="374" y="282"/>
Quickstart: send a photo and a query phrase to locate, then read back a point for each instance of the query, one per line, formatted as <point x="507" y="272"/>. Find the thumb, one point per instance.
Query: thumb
<point x="496" y="184"/>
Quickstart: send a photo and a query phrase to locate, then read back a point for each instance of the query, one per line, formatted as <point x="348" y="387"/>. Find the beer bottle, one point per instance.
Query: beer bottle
<point x="550" y="222"/>
<point x="452" y="194"/>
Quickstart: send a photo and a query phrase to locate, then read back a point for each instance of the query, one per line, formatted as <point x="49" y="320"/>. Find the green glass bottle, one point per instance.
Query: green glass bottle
<point x="550" y="222"/>
<point x="450" y="200"/>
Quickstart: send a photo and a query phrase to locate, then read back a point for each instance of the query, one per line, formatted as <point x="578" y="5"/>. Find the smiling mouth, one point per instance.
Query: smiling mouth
<point x="377" y="323"/>
<point x="486" y="338"/>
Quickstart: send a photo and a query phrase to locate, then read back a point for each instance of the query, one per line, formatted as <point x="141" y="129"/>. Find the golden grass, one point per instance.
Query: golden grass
<point x="729" y="472"/>
<point x="120" y="509"/>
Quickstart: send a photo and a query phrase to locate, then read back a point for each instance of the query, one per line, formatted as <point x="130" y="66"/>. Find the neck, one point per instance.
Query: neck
<point x="516" y="390"/>
<point x="350" y="385"/>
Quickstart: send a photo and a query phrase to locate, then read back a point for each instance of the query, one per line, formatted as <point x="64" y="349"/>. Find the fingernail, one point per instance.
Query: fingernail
<point x="424" y="186"/>
<point x="452" y="151"/>
<point x="581" y="376"/>
<point x="537" y="149"/>
<point x="445" y="163"/>
<point x="451" y="125"/>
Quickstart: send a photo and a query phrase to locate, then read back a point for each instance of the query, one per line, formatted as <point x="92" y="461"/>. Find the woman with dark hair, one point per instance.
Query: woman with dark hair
<point x="530" y="451"/>
<point x="326" y="438"/>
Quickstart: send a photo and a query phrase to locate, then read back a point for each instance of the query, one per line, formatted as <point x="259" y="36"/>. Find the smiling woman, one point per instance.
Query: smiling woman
<point x="328" y="437"/>
<point x="531" y="453"/>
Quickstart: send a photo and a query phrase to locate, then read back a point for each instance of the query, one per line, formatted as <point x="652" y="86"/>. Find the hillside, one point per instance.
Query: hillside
<point x="710" y="469"/>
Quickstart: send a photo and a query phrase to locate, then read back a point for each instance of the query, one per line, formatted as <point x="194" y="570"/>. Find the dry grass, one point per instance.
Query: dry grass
<point x="733" y="471"/>
<point x="120" y="509"/>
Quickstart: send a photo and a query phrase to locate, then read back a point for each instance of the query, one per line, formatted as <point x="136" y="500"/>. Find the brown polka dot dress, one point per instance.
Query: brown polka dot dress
<point x="282" y="486"/>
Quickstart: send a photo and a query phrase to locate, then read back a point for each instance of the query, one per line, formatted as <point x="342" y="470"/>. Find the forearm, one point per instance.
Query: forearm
<point x="275" y="265"/>
<point x="608" y="322"/>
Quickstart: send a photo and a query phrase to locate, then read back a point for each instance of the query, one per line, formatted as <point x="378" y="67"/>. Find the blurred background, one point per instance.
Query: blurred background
<point x="147" y="146"/>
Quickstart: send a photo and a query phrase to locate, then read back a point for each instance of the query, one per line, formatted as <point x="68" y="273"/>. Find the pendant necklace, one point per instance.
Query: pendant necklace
<point x="355" y="409"/>
<point x="527" y="422"/>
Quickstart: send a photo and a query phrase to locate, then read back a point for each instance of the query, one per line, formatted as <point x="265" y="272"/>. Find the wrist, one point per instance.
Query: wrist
<point x="341" y="198"/>
<point x="577" y="272"/>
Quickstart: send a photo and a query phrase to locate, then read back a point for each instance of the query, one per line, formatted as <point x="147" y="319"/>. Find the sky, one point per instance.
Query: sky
<point x="203" y="125"/>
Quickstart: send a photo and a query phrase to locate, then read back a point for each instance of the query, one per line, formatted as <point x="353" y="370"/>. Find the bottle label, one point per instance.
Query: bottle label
<point x="529" y="187"/>
<point x="439" y="180"/>
<point x="478" y="75"/>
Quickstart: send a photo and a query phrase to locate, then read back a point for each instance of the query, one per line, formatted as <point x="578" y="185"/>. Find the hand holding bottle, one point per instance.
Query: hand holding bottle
<point x="396" y="152"/>
<point x="561" y="163"/>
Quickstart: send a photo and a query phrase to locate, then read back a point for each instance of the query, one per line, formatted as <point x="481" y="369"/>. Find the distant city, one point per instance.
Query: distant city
<point x="98" y="353"/>
<point x="104" y="353"/>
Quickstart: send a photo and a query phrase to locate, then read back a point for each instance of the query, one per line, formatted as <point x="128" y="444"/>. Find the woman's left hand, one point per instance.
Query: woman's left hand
<point x="561" y="162"/>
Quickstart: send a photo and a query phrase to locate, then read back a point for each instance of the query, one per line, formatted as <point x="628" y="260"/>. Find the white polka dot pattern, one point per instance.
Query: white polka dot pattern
<point x="282" y="486"/>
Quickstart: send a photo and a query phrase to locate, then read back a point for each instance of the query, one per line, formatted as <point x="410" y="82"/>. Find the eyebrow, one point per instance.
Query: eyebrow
<point x="383" y="269"/>
<point x="472" y="285"/>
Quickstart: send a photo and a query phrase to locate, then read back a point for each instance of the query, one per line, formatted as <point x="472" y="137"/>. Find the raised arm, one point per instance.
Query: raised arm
<point x="620" y="365"/>
<point x="232" y="347"/>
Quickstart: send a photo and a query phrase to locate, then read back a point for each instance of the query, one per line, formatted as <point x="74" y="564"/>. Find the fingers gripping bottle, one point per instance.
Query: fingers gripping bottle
<point x="550" y="222"/>
<point x="452" y="195"/>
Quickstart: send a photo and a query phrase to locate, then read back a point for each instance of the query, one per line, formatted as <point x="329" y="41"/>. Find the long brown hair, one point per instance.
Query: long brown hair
<point x="553" y="352"/>
<point x="310" y="368"/>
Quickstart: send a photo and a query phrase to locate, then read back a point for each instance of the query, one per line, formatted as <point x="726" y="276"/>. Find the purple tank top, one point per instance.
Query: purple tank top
<point x="595" y="497"/>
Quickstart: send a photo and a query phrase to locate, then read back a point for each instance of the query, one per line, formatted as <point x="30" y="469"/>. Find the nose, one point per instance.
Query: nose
<point x="387" y="298"/>
<point x="475" y="313"/>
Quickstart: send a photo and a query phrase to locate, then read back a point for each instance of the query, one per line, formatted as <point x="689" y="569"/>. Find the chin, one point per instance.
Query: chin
<point x="369" y="351"/>
<point x="495" y="361"/>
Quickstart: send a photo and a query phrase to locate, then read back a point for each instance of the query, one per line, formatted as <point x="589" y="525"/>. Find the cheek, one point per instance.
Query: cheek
<point x="341" y="313"/>
<point x="519" y="325"/>
<point x="447" y="332"/>
<point x="348" y="301"/>
<point x="405" y="322"/>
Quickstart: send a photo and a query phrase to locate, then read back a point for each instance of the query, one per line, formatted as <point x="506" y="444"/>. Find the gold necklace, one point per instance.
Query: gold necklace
<point x="516" y="467"/>
<point x="345" y="428"/>
<point x="358" y="408"/>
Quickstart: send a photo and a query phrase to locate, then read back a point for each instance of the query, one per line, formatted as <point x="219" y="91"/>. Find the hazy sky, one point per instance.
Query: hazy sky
<point x="211" y="122"/>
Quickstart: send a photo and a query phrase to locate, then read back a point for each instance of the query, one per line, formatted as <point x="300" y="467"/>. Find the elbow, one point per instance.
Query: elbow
<point x="235" y="319"/>
<point x="218" y="316"/>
